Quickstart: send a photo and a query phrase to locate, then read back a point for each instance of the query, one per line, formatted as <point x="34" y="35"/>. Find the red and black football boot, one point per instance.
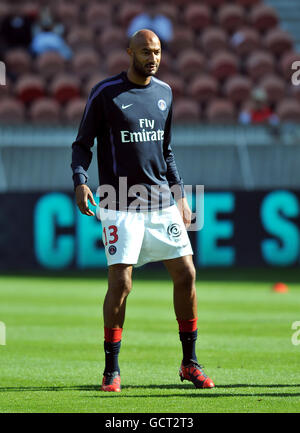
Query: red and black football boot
<point x="111" y="382"/>
<point x="194" y="373"/>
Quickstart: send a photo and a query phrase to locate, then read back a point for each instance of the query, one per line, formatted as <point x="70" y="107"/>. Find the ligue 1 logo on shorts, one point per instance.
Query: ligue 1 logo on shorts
<point x="162" y="105"/>
<point x="174" y="231"/>
<point x="112" y="250"/>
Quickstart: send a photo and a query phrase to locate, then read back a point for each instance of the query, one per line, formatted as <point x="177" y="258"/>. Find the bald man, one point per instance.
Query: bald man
<point x="130" y="114"/>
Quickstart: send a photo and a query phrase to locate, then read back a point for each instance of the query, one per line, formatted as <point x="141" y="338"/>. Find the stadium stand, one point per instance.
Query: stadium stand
<point x="220" y="51"/>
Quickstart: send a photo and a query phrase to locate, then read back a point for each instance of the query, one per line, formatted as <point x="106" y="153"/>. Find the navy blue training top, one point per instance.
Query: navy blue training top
<point x="132" y="124"/>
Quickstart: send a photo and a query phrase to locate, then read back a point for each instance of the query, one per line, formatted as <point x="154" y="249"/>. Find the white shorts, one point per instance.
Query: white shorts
<point x="137" y="238"/>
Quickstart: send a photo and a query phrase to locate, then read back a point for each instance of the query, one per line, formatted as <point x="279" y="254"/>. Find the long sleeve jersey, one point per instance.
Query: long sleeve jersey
<point x="132" y="124"/>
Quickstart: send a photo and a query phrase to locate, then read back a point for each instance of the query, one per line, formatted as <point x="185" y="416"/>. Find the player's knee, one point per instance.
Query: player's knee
<point x="186" y="278"/>
<point x="122" y="285"/>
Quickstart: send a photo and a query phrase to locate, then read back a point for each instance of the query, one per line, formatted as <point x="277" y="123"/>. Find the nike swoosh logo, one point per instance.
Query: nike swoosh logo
<point x="126" y="106"/>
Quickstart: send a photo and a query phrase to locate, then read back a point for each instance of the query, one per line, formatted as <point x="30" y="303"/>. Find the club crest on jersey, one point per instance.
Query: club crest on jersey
<point x="162" y="105"/>
<point x="174" y="231"/>
<point x="112" y="250"/>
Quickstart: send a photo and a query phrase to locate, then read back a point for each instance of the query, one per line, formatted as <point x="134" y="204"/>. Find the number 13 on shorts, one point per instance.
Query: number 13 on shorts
<point x="112" y="236"/>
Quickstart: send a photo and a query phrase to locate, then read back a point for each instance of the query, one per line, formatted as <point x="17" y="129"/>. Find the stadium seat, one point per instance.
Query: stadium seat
<point x="274" y="86"/>
<point x="286" y="63"/>
<point x="296" y="92"/>
<point x="127" y="12"/>
<point x="176" y="82"/>
<point x="5" y="9"/>
<point x="45" y="110"/>
<point x="166" y="63"/>
<point x="215" y="3"/>
<point x="259" y="64"/>
<point x="65" y="87"/>
<point x="92" y="81"/>
<point x="190" y="63"/>
<point x="31" y="9"/>
<point x="247" y="3"/>
<point x="169" y="10"/>
<point x="288" y="110"/>
<point x="203" y="88"/>
<point x="117" y="61"/>
<point x="278" y="41"/>
<point x="197" y="16"/>
<point x="263" y="17"/>
<point x="238" y="88"/>
<point x="74" y="110"/>
<point x="186" y="111"/>
<point x="221" y="111"/>
<point x="98" y="15"/>
<point x="223" y="64"/>
<point x="12" y="111"/>
<point x="230" y="17"/>
<point x="213" y="39"/>
<point x="29" y="88"/>
<point x="183" y="38"/>
<point x="85" y="63"/>
<point x="49" y="64"/>
<point x="110" y="39"/>
<point x="18" y="61"/>
<point x="245" y="40"/>
<point x="80" y="37"/>
<point x="67" y="13"/>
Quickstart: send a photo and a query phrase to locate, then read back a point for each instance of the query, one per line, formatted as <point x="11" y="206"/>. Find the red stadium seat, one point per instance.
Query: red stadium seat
<point x="12" y="111"/>
<point x="67" y="13"/>
<point x="183" y="38"/>
<point x="190" y="63"/>
<point x="5" y="9"/>
<point x="238" y="88"/>
<point x="18" y="61"/>
<point x="80" y="37"/>
<point x="288" y="110"/>
<point x="223" y="64"/>
<point x="166" y="63"/>
<point x="247" y="3"/>
<point x="98" y="15"/>
<point x="49" y="64"/>
<point x="286" y="64"/>
<point x="110" y="39"/>
<point x="65" y="87"/>
<point x="278" y="41"/>
<point x="169" y="10"/>
<point x="259" y="64"/>
<point x="31" y="9"/>
<point x="186" y="111"/>
<point x="221" y="111"/>
<point x="92" y="81"/>
<point x="45" y="111"/>
<point x="86" y="63"/>
<point x="231" y="17"/>
<point x="74" y="110"/>
<point x="176" y="82"/>
<point x="213" y="39"/>
<point x="203" y="88"/>
<point x="127" y="12"/>
<point x="197" y="16"/>
<point x="274" y="87"/>
<point x="117" y="61"/>
<point x="29" y="88"/>
<point x="245" y="40"/>
<point x="263" y="17"/>
<point x="215" y="3"/>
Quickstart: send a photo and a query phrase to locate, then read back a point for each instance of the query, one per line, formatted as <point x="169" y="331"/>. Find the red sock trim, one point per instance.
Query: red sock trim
<point x="187" y="325"/>
<point x="112" y="335"/>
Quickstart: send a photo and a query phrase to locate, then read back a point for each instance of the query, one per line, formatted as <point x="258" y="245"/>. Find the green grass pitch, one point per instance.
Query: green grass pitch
<point x="53" y="357"/>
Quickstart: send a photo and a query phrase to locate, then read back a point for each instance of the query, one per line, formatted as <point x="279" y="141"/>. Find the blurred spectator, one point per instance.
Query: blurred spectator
<point x="259" y="110"/>
<point x="151" y="19"/>
<point x="48" y="40"/>
<point x="16" y="28"/>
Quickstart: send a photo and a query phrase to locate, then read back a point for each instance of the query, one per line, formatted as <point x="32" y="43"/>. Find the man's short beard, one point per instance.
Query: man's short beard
<point x="140" y="70"/>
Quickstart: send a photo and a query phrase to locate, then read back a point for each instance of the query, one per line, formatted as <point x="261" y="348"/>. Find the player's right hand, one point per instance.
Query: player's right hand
<point x="83" y="194"/>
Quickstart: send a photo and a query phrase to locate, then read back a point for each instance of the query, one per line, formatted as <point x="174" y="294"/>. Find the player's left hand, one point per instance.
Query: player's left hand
<point x="185" y="211"/>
